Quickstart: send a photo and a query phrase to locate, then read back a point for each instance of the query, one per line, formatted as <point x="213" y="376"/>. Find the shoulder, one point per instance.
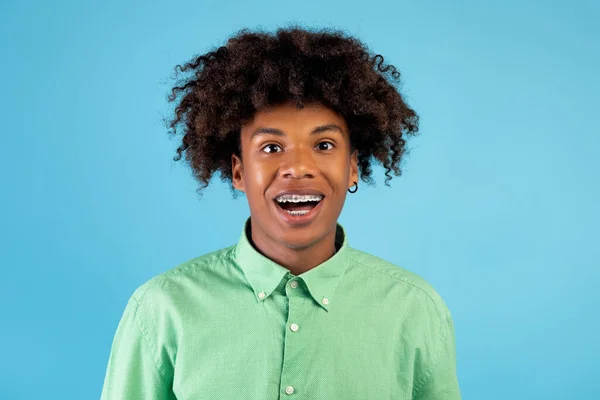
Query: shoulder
<point x="407" y="283"/>
<point x="156" y="310"/>
<point x="172" y="283"/>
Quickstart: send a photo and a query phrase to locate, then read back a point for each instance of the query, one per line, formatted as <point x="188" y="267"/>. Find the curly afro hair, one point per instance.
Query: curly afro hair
<point x="224" y="88"/>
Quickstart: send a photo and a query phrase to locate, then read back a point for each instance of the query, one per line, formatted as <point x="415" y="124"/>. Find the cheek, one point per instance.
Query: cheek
<point x="259" y="176"/>
<point x="337" y="169"/>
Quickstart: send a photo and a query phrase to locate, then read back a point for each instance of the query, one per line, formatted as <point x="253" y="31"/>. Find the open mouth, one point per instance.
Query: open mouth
<point x="298" y="205"/>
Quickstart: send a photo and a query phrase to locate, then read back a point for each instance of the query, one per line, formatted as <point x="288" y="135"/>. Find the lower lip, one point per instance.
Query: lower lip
<point x="299" y="219"/>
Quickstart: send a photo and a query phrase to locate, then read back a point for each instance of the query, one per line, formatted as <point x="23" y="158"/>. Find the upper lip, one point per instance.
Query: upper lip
<point x="300" y="192"/>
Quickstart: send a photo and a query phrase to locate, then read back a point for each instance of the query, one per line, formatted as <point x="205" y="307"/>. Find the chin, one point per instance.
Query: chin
<point x="301" y="237"/>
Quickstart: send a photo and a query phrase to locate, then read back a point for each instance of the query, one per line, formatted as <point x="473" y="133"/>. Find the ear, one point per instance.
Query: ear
<point x="237" y="173"/>
<point x="353" y="177"/>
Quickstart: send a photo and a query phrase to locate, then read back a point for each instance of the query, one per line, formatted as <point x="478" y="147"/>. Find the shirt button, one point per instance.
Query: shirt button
<point x="294" y="327"/>
<point x="294" y="284"/>
<point x="289" y="389"/>
<point x="261" y="295"/>
<point x="325" y="300"/>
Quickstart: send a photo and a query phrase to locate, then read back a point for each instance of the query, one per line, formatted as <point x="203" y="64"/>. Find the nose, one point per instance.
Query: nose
<point x="298" y="163"/>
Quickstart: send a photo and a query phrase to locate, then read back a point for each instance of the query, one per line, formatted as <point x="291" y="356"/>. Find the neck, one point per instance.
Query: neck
<point x="296" y="260"/>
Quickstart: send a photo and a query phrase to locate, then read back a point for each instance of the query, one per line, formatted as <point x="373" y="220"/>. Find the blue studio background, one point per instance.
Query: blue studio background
<point x="498" y="206"/>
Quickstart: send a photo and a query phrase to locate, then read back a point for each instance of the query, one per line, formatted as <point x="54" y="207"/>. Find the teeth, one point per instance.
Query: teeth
<point x="295" y="198"/>
<point x="297" y="212"/>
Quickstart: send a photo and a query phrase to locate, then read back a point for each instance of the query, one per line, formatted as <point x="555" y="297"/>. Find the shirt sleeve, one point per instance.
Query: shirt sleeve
<point x="133" y="371"/>
<point x="441" y="382"/>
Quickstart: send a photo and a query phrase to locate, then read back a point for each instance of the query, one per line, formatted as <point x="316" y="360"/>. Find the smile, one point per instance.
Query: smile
<point x="298" y="209"/>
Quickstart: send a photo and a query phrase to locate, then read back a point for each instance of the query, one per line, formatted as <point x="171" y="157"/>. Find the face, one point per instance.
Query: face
<point x="295" y="169"/>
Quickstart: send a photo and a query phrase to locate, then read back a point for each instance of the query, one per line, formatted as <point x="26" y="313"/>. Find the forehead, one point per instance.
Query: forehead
<point x="288" y="116"/>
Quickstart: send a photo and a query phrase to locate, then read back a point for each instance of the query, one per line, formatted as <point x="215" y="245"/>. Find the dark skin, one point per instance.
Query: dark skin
<point x="286" y="148"/>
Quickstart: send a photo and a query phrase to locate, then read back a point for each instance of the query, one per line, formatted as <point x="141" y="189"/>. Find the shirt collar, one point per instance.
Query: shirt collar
<point x="265" y="275"/>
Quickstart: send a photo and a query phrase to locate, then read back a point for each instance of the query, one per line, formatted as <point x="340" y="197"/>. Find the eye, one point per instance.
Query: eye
<point x="325" y="146"/>
<point x="271" y="148"/>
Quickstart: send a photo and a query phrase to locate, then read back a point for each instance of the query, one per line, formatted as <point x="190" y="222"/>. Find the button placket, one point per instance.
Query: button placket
<point x="295" y="343"/>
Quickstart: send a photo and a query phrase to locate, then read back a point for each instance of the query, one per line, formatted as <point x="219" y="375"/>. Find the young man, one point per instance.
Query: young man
<point x="291" y="119"/>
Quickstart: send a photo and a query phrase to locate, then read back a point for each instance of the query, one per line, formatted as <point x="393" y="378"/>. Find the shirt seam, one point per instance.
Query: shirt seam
<point x="442" y="334"/>
<point x="429" y="373"/>
<point x="146" y="340"/>
<point x="174" y="273"/>
<point x="437" y="308"/>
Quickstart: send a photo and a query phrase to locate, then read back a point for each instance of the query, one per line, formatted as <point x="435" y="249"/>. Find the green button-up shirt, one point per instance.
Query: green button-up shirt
<point x="233" y="324"/>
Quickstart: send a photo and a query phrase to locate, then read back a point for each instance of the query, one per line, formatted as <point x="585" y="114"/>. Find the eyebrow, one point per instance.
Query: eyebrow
<point x="279" y="132"/>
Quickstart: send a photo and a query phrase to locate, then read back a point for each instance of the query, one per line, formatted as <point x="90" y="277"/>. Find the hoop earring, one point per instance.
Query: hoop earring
<point x="355" y="190"/>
